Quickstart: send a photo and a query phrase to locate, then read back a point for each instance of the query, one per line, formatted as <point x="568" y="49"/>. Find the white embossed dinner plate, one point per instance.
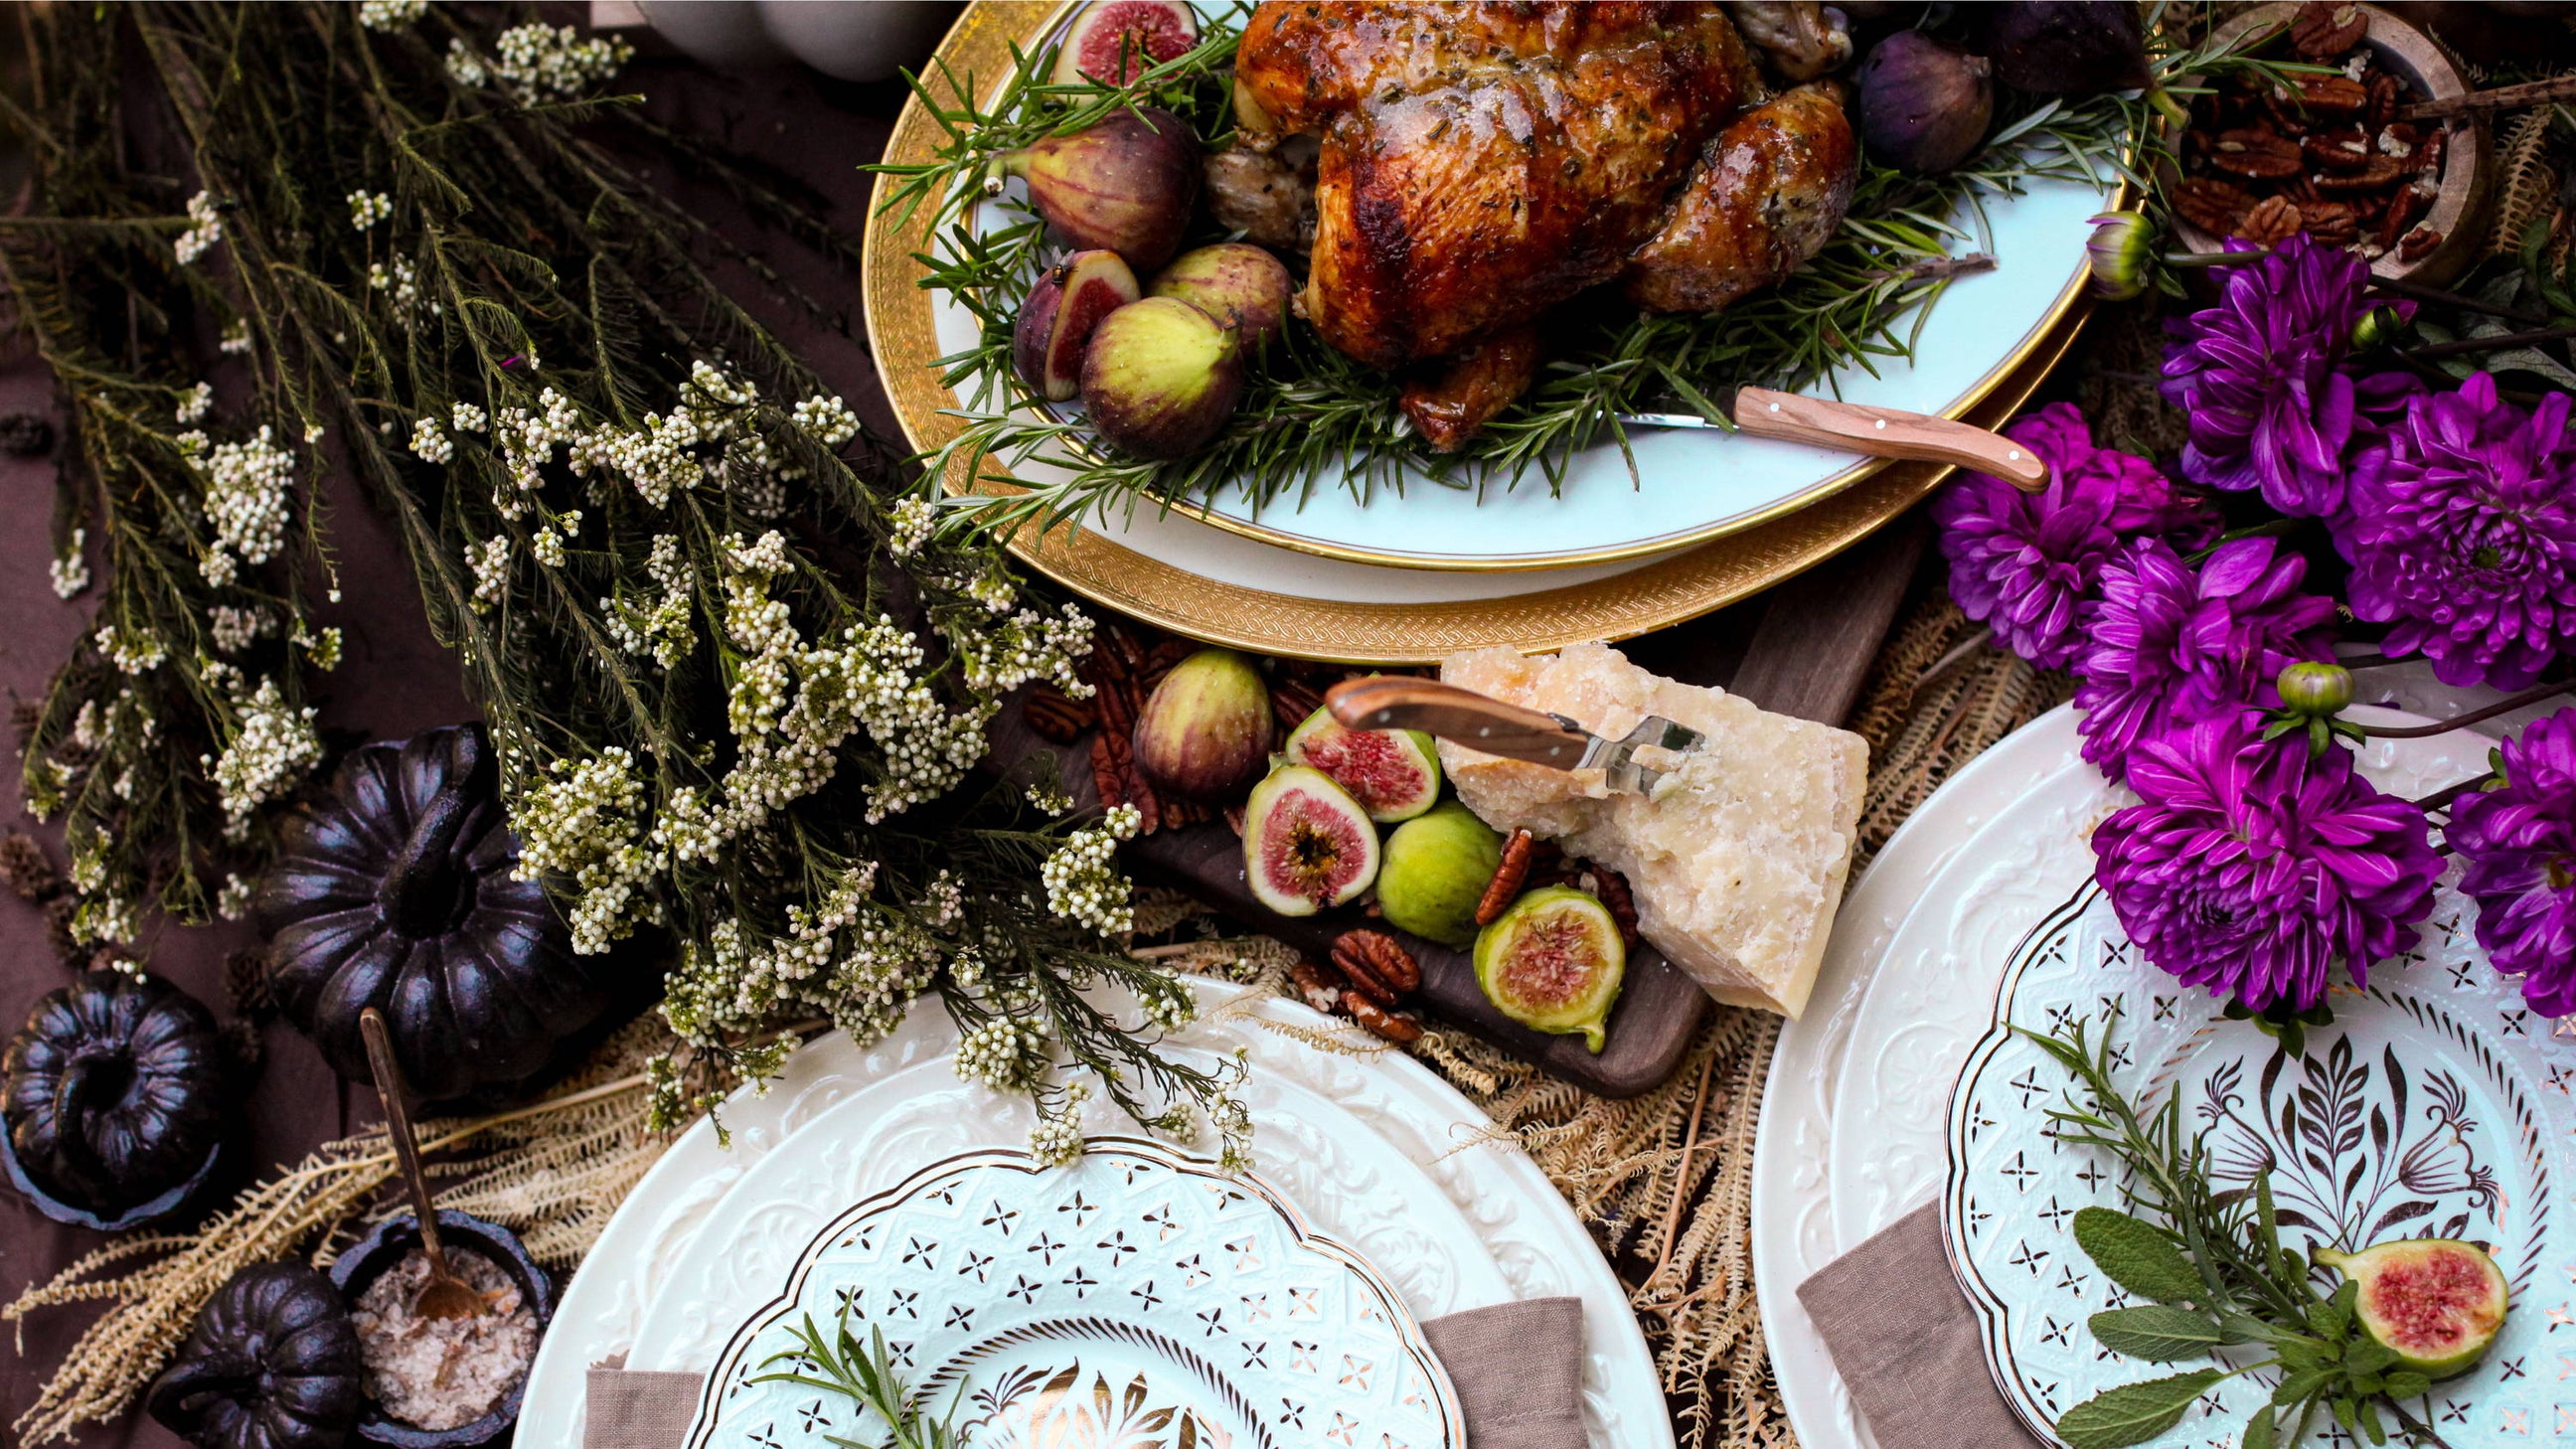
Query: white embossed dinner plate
<point x="2434" y="1105"/>
<point x="1854" y="1116"/>
<point x="1343" y="1106"/>
<point x="1138" y="1296"/>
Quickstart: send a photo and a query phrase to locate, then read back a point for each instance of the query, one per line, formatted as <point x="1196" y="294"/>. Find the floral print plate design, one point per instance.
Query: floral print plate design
<point x="1139" y="1299"/>
<point x="2436" y="1105"/>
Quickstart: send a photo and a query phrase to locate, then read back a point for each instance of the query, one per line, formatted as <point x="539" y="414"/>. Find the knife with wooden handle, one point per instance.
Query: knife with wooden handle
<point x="1877" y="432"/>
<point x="1481" y="722"/>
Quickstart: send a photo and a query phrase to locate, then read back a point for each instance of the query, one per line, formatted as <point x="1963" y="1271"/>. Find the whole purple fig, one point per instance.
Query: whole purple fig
<point x="1923" y="105"/>
<point x="1205" y="730"/>
<point x="1125" y="185"/>
<point x="1233" y="282"/>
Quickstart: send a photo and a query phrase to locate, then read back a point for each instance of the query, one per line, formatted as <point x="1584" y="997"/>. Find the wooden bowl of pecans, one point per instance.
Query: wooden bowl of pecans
<point x="2339" y="158"/>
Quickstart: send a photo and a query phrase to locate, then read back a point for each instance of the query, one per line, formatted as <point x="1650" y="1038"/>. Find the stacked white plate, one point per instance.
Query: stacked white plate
<point x="1855" y="1129"/>
<point x="1369" y="1170"/>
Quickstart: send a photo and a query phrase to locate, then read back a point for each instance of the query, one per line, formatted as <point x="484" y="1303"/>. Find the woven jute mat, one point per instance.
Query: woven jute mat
<point x="1664" y="1180"/>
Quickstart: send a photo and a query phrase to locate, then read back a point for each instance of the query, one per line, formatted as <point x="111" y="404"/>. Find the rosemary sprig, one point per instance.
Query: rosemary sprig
<point x="2215" y="1275"/>
<point x="1313" y="418"/>
<point x="865" y="1375"/>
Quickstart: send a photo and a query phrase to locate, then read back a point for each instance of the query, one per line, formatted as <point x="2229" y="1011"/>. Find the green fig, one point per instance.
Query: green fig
<point x="1161" y="377"/>
<point x="1554" y="962"/>
<point x="2437" y="1303"/>
<point x="1205" y="730"/>
<point x="1233" y="282"/>
<point x="1435" y="872"/>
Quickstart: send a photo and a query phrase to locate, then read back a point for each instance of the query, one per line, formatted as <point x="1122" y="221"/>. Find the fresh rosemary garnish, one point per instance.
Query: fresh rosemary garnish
<point x="1314" y="418"/>
<point x="2215" y="1275"/>
<point x="864" y="1374"/>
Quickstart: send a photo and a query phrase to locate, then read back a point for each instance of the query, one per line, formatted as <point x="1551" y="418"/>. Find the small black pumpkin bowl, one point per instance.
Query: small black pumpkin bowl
<point x="187" y="1197"/>
<point x="393" y="1240"/>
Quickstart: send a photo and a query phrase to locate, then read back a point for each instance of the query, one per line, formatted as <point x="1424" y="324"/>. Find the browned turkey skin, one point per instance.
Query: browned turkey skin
<point x="1483" y="162"/>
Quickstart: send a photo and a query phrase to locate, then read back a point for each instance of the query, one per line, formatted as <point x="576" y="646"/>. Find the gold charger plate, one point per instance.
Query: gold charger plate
<point x="1652" y="596"/>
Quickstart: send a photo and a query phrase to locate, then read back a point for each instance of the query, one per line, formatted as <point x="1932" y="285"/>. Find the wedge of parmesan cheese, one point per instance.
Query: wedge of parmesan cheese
<point x="1736" y="862"/>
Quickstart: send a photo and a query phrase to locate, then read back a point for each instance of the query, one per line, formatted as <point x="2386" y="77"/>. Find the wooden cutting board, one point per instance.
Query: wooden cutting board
<point x="1803" y="648"/>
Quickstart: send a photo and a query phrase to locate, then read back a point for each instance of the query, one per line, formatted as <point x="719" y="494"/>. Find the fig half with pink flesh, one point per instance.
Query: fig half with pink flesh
<point x="1554" y="962"/>
<point x="1056" y="322"/>
<point x="1124" y="185"/>
<point x="1115" y="41"/>
<point x="2437" y="1303"/>
<point x="1394" y="774"/>
<point x="1233" y="282"/>
<point x="1306" y="843"/>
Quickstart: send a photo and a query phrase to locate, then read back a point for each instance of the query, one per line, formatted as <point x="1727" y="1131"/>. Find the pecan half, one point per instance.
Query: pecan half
<point x="1320" y="984"/>
<point x="1181" y="813"/>
<point x="1508" y="875"/>
<point x="2381" y="173"/>
<point x="1381" y="1023"/>
<point x="1056" y="715"/>
<point x="2274" y="220"/>
<point x="1291" y="702"/>
<point x="2418" y="243"/>
<point x="2343" y="150"/>
<point x="1611" y="889"/>
<point x="1378" y="965"/>
<point x="2385" y="91"/>
<point x="2332" y="95"/>
<point x="1108" y="751"/>
<point x="2404" y="206"/>
<point x="2332" y="223"/>
<point x="2325" y="29"/>
<point x="2213" y="205"/>
<point x="2253" y="151"/>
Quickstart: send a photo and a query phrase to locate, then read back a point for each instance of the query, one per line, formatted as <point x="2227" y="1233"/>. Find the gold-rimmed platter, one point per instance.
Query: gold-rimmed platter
<point x="1242" y="581"/>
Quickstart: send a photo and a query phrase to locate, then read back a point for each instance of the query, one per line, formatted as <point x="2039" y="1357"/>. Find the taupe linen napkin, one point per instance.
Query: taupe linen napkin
<point x="1907" y="1344"/>
<point x="1518" y="1368"/>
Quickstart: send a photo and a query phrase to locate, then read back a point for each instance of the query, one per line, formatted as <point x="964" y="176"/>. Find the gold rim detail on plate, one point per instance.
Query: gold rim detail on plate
<point x="1651" y="596"/>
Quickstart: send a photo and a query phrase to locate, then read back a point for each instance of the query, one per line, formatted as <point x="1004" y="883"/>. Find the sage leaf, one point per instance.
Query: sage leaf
<point x="2406" y="1384"/>
<point x="2156" y="1333"/>
<point x="2299" y="1386"/>
<point x="2262" y="1431"/>
<point x="2368" y="1356"/>
<point x="2133" y="1413"/>
<point x="2139" y="1258"/>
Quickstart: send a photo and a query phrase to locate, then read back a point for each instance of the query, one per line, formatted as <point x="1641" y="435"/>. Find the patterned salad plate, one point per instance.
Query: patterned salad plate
<point x="1140" y="1297"/>
<point x="2436" y="1105"/>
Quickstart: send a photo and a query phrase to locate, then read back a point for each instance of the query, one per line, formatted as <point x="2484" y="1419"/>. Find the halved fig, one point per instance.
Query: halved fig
<point x="1554" y="962"/>
<point x="1306" y="843"/>
<point x="2434" y="1302"/>
<point x="1055" y="323"/>
<point x="1394" y="774"/>
<point x="1114" y="41"/>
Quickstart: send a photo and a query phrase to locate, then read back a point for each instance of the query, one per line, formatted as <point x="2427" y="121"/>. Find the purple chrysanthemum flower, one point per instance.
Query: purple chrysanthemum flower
<point x="2260" y="378"/>
<point x="2254" y="868"/>
<point x="2519" y="843"/>
<point x="2462" y="532"/>
<point x="2174" y="645"/>
<point x="2025" y="564"/>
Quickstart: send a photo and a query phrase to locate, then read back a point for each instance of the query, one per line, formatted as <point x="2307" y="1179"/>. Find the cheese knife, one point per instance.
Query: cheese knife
<point x="1481" y="722"/>
<point x="1858" y="428"/>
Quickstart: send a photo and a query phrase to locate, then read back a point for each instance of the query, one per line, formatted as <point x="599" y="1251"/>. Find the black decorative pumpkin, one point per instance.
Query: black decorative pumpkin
<point x="271" y="1364"/>
<point x="400" y="894"/>
<point x="114" y="1099"/>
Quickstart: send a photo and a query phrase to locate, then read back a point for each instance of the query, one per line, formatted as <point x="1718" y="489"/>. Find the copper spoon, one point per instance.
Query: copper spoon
<point x="445" y="1295"/>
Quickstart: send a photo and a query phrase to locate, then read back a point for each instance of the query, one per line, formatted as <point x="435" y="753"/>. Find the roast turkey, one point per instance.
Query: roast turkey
<point x="1480" y="164"/>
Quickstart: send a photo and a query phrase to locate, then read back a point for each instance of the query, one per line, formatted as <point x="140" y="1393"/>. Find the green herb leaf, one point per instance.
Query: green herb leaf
<point x="2301" y="1384"/>
<point x="2156" y="1333"/>
<point x="2368" y="1356"/>
<point x="2133" y="1413"/>
<point x="2406" y="1384"/>
<point x="2138" y="1257"/>
<point x="2331" y="1318"/>
<point x="2261" y="1431"/>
